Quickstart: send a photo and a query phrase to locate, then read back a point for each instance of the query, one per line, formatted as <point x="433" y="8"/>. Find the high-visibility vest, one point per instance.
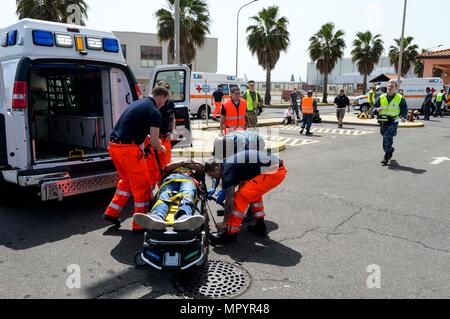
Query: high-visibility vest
<point x="371" y="97"/>
<point x="250" y="103"/>
<point x="440" y="97"/>
<point x="308" y="106"/>
<point x="392" y="108"/>
<point x="235" y="116"/>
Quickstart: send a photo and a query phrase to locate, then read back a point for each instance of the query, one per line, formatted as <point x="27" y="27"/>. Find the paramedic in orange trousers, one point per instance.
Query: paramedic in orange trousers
<point x="140" y="119"/>
<point x="256" y="173"/>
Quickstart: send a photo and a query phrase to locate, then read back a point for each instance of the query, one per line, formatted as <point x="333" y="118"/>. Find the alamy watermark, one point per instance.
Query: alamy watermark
<point x="74" y="17"/>
<point x="73" y="281"/>
<point x="374" y="279"/>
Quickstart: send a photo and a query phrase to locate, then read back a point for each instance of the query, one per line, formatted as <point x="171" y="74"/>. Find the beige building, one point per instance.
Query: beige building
<point x="143" y="51"/>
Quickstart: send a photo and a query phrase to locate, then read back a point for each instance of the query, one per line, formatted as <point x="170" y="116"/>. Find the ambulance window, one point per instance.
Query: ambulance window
<point x="225" y="89"/>
<point x="233" y="86"/>
<point x="244" y="88"/>
<point x="177" y="81"/>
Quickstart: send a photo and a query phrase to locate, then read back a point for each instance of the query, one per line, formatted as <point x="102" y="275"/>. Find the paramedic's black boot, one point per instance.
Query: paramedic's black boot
<point x="385" y="161"/>
<point x="308" y="133"/>
<point x="259" y="229"/>
<point x="222" y="238"/>
<point x="113" y="220"/>
<point x="301" y="132"/>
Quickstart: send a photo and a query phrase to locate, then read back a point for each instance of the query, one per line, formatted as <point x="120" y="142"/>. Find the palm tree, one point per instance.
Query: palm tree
<point x="418" y="65"/>
<point x="49" y="10"/>
<point x="367" y="50"/>
<point x="267" y="38"/>
<point x="194" y="27"/>
<point x="326" y="48"/>
<point x="409" y="56"/>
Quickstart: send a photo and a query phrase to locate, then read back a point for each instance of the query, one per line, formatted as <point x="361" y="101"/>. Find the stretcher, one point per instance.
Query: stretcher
<point x="171" y="250"/>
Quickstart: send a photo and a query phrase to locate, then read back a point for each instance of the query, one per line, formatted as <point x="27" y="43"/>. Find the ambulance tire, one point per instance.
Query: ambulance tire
<point x="202" y="112"/>
<point x="138" y="261"/>
<point x="6" y="195"/>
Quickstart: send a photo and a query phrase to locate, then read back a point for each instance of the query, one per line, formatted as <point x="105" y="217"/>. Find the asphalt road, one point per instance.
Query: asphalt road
<point x="338" y="212"/>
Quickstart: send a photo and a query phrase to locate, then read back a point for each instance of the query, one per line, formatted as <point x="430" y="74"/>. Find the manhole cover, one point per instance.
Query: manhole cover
<point x="216" y="280"/>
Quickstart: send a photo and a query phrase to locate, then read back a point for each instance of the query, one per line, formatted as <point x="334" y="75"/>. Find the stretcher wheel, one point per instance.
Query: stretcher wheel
<point x="139" y="261"/>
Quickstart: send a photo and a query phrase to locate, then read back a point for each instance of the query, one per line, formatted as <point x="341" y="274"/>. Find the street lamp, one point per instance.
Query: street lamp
<point x="177" y="35"/>
<point x="402" y="45"/>
<point x="237" y="34"/>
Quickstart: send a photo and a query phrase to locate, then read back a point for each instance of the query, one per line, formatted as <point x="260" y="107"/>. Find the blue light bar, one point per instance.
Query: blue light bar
<point x="12" y="38"/>
<point x="198" y="76"/>
<point x="43" y="38"/>
<point x="231" y="78"/>
<point x="111" y="45"/>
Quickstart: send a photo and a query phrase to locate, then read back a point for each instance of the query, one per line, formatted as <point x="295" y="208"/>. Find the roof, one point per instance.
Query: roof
<point x="442" y="54"/>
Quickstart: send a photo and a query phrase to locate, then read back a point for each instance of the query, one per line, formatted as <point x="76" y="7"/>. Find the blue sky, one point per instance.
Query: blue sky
<point x="424" y="22"/>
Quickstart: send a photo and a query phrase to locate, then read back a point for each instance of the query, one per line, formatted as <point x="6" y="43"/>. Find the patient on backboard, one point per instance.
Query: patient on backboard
<point x="178" y="191"/>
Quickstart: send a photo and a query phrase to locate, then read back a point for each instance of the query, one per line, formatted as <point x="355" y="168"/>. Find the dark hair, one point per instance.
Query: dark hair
<point x="211" y="165"/>
<point x="251" y="82"/>
<point x="235" y="89"/>
<point x="160" y="91"/>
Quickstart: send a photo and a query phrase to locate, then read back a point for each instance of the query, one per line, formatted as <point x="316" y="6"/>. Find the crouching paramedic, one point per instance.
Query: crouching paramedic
<point x="180" y="187"/>
<point x="126" y="150"/>
<point x="256" y="173"/>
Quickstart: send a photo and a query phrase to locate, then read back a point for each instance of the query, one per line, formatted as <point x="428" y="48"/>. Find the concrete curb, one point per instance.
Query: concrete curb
<point x="401" y="125"/>
<point x="275" y="148"/>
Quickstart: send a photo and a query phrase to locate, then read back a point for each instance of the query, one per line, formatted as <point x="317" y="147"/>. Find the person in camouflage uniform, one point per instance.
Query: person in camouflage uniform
<point x="254" y="102"/>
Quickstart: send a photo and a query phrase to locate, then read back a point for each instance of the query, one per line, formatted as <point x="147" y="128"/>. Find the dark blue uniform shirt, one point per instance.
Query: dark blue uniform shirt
<point x="135" y="123"/>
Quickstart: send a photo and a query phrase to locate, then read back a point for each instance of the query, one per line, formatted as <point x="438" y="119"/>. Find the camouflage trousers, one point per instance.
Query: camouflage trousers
<point x="251" y="118"/>
<point x="389" y="131"/>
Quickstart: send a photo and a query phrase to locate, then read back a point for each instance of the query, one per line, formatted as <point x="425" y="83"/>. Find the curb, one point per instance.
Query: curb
<point x="276" y="148"/>
<point x="401" y="125"/>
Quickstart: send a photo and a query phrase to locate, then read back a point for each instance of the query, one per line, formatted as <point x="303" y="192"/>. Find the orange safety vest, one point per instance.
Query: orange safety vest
<point x="308" y="106"/>
<point x="235" y="117"/>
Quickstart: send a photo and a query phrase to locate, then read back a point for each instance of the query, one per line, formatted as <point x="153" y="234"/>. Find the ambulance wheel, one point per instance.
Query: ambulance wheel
<point x="139" y="261"/>
<point x="202" y="112"/>
<point x="5" y="191"/>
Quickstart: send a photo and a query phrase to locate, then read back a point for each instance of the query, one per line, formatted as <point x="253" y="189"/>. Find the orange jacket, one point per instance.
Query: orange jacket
<point x="308" y="106"/>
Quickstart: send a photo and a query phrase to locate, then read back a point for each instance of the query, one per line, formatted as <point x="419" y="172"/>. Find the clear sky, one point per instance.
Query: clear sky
<point x="427" y="22"/>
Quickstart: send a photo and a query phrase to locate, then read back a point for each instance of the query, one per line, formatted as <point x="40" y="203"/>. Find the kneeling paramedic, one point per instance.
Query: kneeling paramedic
<point x="180" y="185"/>
<point x="126" y="150"/>
<point x="256" y="173"/>
<point x="391" y="108"/>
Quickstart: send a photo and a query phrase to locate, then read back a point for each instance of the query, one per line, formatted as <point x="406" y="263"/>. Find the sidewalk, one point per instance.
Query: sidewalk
<point x="352" y="119"/>
<point x="203" y="145"/>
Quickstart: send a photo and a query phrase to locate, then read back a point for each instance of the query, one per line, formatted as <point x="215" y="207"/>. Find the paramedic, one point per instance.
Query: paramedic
<point x="439" y="101"/>
<point x="217" y="99"/>
<point x="256" y="173"/>
<point x="254" y="105"/>
<point x="129" y="134"/>
<point x="308" y="107"/>
<point x="233" y="113"/>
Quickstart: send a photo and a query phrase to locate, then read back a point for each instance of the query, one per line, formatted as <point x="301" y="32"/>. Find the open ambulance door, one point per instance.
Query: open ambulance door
<point x="179" y="78"/>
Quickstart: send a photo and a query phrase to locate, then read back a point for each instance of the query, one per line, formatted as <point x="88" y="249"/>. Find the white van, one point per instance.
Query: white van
<point x="203" y="86"/>
<point x="414" y="92"/>
<point x="62" y="89"/>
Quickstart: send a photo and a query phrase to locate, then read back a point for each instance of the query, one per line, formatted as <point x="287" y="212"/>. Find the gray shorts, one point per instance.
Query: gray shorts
<point x="340" y="113"/>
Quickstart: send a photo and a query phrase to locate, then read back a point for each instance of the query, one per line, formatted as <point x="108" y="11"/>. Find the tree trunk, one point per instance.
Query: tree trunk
<point x="268" y="97"/>
<point x="325" y="89"/>
<point x="365" y="84"/>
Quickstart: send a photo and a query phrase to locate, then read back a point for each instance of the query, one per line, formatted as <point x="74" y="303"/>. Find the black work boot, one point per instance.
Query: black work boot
<point x="113" y="220"/>
<point x="301" y="132"/>
<point x="222" y="238"/>
<point x="385" y="161"/>
<point x="308" y="133"/>
<point x="259" y="229"/>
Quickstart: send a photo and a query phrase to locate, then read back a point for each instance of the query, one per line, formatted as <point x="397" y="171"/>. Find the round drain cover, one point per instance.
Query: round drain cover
<point x="216" y="280"/>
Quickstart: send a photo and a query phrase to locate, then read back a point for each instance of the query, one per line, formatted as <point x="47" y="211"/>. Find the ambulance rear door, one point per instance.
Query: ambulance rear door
<point x="179" y="78"/>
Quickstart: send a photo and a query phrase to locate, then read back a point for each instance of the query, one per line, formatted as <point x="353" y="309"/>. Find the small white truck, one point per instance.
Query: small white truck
<point x="62" y="89"/>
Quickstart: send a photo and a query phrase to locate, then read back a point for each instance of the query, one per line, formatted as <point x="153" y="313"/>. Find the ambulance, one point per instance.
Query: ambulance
<point x="203" y="86"/>
<point x="62" y="89"/>
<point x="414" y="92"/>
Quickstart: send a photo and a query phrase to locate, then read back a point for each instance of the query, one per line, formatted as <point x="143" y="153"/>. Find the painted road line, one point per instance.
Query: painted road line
<point x="289" y="141"/>
<point x="323" y="130"/>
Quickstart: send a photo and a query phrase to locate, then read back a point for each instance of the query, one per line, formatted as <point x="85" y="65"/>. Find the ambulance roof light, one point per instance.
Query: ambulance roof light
<point x="12" y="38"/>
<point x="94" y="43"/>
<point x="111" y="45"/>
<point x="43" y="38"/>
<point x="64" y="40"/>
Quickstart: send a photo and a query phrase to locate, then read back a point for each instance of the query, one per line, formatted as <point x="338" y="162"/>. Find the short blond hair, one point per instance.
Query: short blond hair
<point x="160" y="91"/>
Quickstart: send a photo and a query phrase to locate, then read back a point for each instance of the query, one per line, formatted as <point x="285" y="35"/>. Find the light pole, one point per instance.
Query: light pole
<point x="402" y="45"/>
<point x="237" y="35"/>
<point x="177" y="33"/>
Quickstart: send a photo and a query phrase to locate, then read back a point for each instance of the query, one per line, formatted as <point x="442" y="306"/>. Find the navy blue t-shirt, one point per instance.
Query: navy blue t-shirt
<point x="245" y="166"/>
<point x="135" y="123"/>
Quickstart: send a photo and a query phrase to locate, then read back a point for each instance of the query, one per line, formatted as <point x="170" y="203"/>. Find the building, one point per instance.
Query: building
<point x="143" y="51"/>
<point x="437" y="63"/>
<point x="345" y="74"/>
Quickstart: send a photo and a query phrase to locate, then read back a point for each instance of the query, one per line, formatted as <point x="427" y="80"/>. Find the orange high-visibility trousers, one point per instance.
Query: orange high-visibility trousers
<point x="217" y="110"/>
<point x="251" y="194"/>
<point x="135" y="180"/>
<point x="164" y="160"/>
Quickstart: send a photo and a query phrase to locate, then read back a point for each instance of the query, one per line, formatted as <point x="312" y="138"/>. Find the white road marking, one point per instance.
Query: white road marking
<point x="439" y="160"/>
<point x="326" y="130"/>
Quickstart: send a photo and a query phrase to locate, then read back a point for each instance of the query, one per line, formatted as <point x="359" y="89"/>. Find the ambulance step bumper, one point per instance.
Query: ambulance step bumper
<point x="70" y="187"/>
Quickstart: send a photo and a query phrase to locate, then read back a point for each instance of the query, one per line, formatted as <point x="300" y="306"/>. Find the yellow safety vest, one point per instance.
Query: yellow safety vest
<point x="392" y="108"/>
<point x="372" y="97"/>
<point x="250" y="102"/>
<point x="440" y="97"/>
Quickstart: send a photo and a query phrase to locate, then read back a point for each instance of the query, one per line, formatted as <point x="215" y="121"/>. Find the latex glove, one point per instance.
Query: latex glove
<point x="211" y="192"/>
<point x="221" y="196"/>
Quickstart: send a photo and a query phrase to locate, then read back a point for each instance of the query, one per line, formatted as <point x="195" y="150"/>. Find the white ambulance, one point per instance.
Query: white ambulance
<point x="203" y="86"/>
<point x="62" y="89"/>
<point x="414" y="91"/>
